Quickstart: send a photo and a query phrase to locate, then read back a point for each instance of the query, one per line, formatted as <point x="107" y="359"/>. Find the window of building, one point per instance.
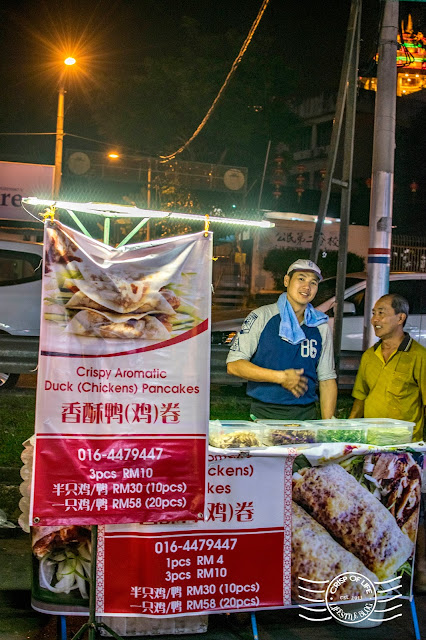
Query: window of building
<point x="324" y="133"/>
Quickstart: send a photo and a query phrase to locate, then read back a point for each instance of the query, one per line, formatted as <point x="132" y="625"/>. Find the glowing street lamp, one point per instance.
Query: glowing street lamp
<point x="60" y="130"/>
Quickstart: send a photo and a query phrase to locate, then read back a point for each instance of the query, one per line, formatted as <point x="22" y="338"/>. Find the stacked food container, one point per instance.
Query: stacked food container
<point x="226" y="434"/>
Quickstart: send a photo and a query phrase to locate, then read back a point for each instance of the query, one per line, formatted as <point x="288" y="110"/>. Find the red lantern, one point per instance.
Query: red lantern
<point x="413" y="187"/>
<point x="300" y="179"/>
<point x="278" y="176"/>
<point x="368" y="183"/>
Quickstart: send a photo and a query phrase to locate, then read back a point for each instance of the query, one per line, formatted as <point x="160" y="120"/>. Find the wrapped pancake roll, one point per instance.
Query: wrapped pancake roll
<point x="64" y="558"/>
<point x="121" y="287"/>
<point x="316" y="556"/>
<point x="102" y="324"/>
<point x="44" y="539"/>
<point x="355" y="518"/>
<point x="151" y="302"/>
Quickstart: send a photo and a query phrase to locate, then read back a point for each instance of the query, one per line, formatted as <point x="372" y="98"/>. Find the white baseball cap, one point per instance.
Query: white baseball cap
<point x="305" y="265"/>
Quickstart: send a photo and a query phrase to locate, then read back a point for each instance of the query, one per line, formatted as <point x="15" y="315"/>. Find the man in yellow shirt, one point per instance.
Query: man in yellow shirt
<point x="391" y="381"/>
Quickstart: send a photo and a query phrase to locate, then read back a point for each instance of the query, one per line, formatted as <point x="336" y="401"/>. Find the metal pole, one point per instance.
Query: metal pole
<point x="263" y="175"/>
<point x="148" y="187"/>
<point x="59" y="142"/>
<point x="148" y="198"/>
<point x="345" y="204"/>
<point x="337" y="125"/>
<point x="382" y="168"/>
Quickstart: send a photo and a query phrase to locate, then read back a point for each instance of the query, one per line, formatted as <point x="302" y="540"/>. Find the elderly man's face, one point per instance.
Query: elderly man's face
<point x="386" y="323"/>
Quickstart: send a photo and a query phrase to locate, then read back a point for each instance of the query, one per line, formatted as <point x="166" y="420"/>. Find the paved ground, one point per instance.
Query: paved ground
<point x="19" y="622"/>
<point x="27" y="381"/>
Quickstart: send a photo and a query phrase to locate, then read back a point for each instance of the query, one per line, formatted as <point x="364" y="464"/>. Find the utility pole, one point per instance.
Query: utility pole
<point x="345" y="106"/>
<point x="59" y="142"/>
<point x="351" y="34"/>
<point x="382" y="168"/>
<point x="69" y="62"/>
<point x="345" y="203"/>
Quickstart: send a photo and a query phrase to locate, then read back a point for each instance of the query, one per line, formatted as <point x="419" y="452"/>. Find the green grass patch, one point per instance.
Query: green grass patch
<point x="17" y="416"/>
<point x="232" y="403"/>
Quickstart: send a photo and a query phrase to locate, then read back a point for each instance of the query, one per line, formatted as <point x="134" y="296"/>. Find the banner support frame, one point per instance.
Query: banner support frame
<point x="92" y="625"/>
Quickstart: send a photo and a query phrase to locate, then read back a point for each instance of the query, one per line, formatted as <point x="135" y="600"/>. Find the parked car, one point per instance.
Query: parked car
<point x="410" y="285"/>
<point x="20" y="295"/>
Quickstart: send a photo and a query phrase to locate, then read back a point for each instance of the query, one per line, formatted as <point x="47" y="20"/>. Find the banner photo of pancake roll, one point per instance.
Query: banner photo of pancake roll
<point x="115" y="299"/>
<point x="359" y="515"/>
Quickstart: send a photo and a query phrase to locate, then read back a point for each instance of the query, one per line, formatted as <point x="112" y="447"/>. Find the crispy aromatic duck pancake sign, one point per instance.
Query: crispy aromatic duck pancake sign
<point x="320" y="538"/>
<point x="353" y="544"/>
<point x="122" y="397"/>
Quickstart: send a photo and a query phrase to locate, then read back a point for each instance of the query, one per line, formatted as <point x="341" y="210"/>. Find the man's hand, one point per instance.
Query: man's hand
<point x="293" y="381"/>
<point x="290" y="379"/>
<point x="357" y="409"/>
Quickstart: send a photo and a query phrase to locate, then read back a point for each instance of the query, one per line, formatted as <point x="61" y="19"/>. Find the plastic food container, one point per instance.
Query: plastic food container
<point x="281" y="433"/>
<point x="385" y="431"/>
<point x="339" y="430"/>
<point x="234" y="434"/>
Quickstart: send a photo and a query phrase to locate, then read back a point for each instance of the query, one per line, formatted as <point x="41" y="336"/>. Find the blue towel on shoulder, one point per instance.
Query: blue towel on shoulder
<point x="290" y="328"/>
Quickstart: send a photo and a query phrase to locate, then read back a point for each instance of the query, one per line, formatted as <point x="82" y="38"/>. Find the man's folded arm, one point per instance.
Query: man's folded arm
<point x="249" y="371"/>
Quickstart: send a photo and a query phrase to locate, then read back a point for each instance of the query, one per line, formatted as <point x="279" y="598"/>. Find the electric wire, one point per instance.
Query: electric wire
<point x="234" y="67"/>
<point x="73" y="135"/>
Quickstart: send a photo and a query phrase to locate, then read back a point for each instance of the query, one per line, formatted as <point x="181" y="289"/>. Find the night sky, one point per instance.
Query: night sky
<point x="116" y="35"/>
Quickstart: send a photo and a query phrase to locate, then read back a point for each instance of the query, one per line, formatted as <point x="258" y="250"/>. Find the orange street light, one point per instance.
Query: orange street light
<point x="113" y="155"/>
<point x="60" y="130"/>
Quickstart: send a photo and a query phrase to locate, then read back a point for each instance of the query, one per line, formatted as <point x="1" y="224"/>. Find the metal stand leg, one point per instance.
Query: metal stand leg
<point x="415" y="620"/>
<point x="92" y="626"/>
<point x="254" y="626"/>
<point x="61" y="628"/>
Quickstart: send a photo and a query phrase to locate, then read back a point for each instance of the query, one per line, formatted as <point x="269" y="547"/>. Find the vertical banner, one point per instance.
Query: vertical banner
<point x="123" y="380"/>
<point x="238" y="559"/>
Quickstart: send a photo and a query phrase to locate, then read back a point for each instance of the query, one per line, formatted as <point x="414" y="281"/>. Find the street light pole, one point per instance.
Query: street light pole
<point x="59" y="141"/>
<point x="60" y="131"/>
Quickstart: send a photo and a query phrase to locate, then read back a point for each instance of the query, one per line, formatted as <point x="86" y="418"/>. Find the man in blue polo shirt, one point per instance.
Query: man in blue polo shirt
<point x="285" y="349"/>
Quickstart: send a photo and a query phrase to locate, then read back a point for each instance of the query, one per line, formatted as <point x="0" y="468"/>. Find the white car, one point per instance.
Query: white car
<point x="20" y="294"/>
<point x="410" y="285"/>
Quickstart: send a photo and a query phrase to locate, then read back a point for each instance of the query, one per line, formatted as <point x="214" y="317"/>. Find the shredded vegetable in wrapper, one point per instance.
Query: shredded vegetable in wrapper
<point x="63" y="570"/>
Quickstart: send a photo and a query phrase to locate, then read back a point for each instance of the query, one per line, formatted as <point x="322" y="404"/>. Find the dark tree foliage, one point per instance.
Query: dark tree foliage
<point x="158" y="108"/>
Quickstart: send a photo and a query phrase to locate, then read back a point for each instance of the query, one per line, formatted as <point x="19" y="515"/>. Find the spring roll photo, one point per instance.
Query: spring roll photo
<point x="316" y="556"/>
<point x="353" y="516"/>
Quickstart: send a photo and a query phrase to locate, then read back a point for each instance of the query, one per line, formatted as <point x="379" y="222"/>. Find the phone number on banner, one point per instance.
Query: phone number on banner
<point x="86" y="480"/>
